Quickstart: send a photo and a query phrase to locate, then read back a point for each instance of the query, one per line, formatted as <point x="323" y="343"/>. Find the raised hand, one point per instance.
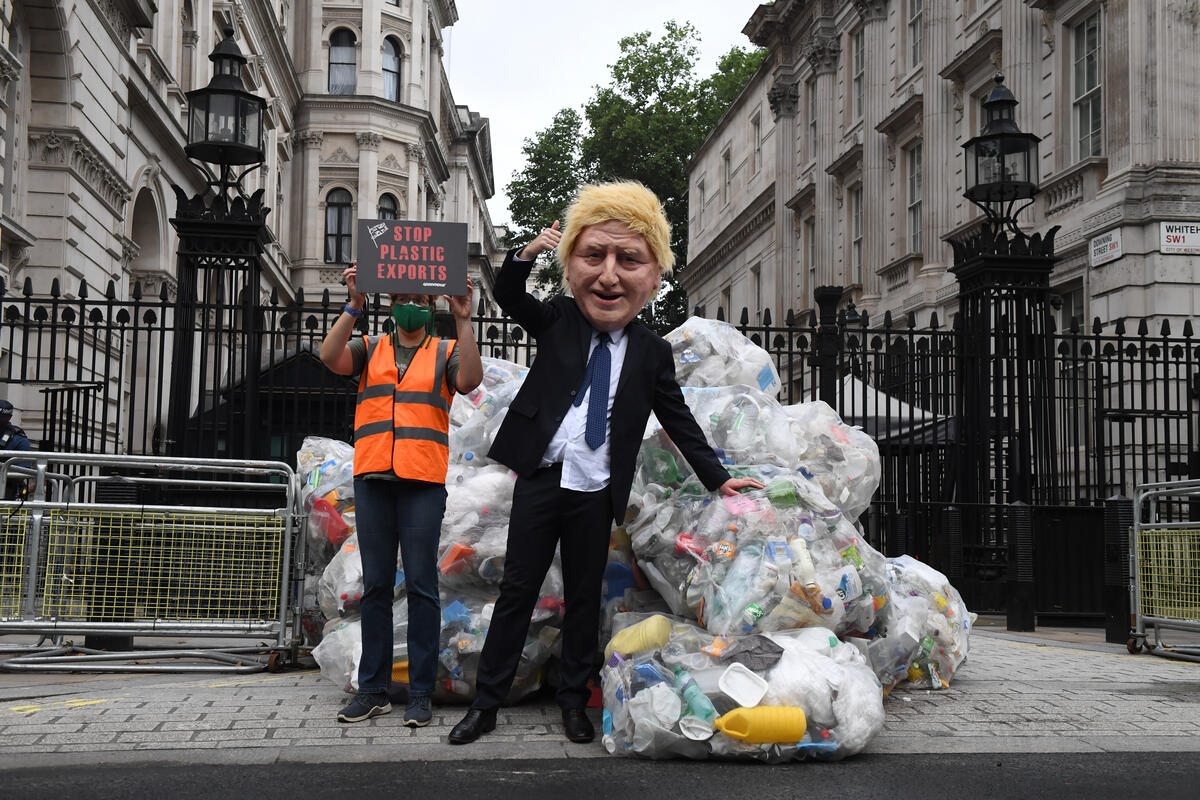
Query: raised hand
<point x="350" y="278"/>
<point x="461" y="306"/>
<point x="547" y="240"/>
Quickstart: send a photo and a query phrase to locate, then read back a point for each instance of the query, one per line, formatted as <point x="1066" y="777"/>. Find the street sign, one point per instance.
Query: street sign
<point x="1179" y="237"/>
<point x="1105" y="248"/>
<point x="412" y="257"/>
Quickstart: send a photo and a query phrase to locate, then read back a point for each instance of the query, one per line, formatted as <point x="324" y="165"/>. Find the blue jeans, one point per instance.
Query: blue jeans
<point x="407" y="514"/>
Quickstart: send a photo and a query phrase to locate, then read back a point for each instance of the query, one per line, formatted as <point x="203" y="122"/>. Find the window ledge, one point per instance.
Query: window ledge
<point x="900" y="272"/>
<point x="1076" y="184"/>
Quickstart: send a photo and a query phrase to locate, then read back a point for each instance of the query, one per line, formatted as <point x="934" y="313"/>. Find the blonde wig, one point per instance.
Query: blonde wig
<point x="624" y="201"/>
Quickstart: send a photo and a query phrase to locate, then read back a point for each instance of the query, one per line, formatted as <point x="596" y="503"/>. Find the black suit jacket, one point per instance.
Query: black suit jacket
<point x="647" y="383"/>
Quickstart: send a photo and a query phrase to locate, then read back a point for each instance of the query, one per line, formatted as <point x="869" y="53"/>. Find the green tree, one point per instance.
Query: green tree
<point x="541" y="191"/>
<point x="645" y="125"/>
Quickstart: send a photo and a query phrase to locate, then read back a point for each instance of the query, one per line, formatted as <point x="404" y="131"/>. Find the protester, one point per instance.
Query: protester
<point x="407" y="380"/>
<point x="573" y="431"/>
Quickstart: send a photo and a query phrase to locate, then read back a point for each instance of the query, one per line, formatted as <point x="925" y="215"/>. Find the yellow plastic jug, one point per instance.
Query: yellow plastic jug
<point x="764" y="724"/>
<point x="649" y="634"/>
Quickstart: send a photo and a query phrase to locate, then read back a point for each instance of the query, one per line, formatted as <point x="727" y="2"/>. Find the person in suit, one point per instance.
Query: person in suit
<point x="573" y="431"/>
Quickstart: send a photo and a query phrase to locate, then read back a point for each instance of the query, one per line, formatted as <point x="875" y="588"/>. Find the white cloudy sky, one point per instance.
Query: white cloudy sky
<point x="518" y="63"/>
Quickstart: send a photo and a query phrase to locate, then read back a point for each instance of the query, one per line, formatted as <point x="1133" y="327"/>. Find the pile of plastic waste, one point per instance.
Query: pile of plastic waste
<point x="470" y="554"/>
<point x="674" y="689"/>
<point x="761" y="626"/>
<point x="776" y="568"/>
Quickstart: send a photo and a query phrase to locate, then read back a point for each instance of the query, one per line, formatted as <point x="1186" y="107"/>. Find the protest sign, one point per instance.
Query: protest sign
<point x="410" y="257"/>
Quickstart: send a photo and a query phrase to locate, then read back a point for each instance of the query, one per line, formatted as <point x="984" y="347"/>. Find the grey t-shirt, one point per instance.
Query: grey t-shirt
<point x="404" y="357"/>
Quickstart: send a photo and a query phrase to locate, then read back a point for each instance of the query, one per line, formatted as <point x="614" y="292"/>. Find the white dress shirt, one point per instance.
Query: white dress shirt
<point x="585" y="469"/>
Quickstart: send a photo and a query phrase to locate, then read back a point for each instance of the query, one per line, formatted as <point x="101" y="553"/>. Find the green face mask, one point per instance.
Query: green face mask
<point x="410" y="317"/>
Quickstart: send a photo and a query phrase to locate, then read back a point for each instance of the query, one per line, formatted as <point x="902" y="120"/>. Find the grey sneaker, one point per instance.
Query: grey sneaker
<point x="364" y="706"/>
<point x="419" y="711"/>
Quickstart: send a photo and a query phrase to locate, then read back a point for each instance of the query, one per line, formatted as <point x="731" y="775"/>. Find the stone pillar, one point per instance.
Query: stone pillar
<point x="316" y="76"/>
<point x="822" y="52"/>
<point x="784" y="98"/>
<point x="875" y="166"/>
<point x="370" y="59"/>
<point x="368" y="174"/>
<point x="943" y="108"/>
<point x="434" y="81"/>
<point x="1021" y="59"/>
<point x="419" y="57"/>
<point x="310" y="223"/>
<point x="416" y="177"/>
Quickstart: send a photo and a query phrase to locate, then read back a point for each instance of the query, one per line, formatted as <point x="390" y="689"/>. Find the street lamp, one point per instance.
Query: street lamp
<point x="221" y="242"/>
<point x="1001" y="162"/>
<point x="224" y="120"/>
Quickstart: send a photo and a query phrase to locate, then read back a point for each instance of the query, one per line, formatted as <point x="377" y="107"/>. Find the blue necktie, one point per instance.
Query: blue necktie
<point x="597" y="379"/>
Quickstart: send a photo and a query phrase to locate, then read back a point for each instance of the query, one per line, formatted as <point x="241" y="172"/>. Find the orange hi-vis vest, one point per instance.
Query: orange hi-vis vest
<point x="404" y="428"/>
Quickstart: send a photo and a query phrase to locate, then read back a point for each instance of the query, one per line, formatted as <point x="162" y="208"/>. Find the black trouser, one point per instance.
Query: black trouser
<point x="580" y="523"/>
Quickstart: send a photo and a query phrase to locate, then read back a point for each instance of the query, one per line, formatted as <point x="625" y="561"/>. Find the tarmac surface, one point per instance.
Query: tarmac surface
<point x="1055" y="691"/>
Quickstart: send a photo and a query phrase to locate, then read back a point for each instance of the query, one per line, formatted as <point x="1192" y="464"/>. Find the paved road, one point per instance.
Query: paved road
<point x="1013" y="695"/>
<point x="1090" y="775"/>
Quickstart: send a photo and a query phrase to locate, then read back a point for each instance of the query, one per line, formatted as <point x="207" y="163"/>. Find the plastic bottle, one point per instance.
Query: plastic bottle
<point x="720" y="555"/>
<point x="649" y="634"/>
<point x="782" y="494"/>
<point x="803" y="570"/>
<point x="751" y="614"/>
<point x="450" y="662"/>
<point x="698" y="704"/>
<point x="764" y="724"/>
<point x="660" y="465"/>
<point x="823" y="749"/>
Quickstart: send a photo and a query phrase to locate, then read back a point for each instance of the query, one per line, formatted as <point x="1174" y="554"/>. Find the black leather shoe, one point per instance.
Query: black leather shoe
<point x="577" y="725"/>
<point x="476" y="723"/>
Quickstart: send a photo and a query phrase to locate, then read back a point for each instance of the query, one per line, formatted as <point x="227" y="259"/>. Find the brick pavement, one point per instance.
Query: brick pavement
<point x="1014" y="695"/>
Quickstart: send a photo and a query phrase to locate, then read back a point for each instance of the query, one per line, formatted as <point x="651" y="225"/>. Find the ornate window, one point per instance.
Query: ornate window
<point x="858" y="81"/>
<point x="912" y="168"/>
<point x="343" y="67"/>
<point x="915" y="13"/>
<point x="338" y="225"/>
<point x="726" y="176"/>
<point x="812" y="119"/>
<point x="856" y="232"/>
<point x="387" y="206"/>
<point x="810" y="243"/>
<point x="755" y="143"/>
<point x="391" y="69"/>
<point x="1086" y="87"/>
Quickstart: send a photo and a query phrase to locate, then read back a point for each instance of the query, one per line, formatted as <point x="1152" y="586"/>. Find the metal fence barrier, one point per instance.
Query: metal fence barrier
<point x="135" y="546"/>
<point x="1165" y="567"/>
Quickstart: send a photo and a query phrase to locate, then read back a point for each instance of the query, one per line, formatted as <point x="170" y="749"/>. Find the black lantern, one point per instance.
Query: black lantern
<point x="224" y="120"/>
<point x="1002" y="162"/>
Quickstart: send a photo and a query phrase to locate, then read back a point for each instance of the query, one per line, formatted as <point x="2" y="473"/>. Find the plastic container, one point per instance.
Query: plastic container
<point x="743" y="686"/>
<point x="764" y="724"/>
<point x="649" y="634"/>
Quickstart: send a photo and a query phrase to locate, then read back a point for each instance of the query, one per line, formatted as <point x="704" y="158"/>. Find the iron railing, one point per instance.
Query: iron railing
<point x="1103" y="410"/>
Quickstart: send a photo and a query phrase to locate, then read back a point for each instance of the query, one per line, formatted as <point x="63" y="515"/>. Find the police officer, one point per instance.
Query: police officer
<point x="12" y="438"/>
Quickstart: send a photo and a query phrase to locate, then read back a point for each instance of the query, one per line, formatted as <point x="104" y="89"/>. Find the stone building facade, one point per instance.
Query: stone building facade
<point x="360" y="121"/>
<point x="841" y="163"/>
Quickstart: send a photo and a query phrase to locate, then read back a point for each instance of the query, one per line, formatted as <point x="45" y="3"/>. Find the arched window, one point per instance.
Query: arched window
<point x="338" y="224"/>
<point x="391" y="69"/>
<point x="387" y="207"/>
<point x="342" y="65"/>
